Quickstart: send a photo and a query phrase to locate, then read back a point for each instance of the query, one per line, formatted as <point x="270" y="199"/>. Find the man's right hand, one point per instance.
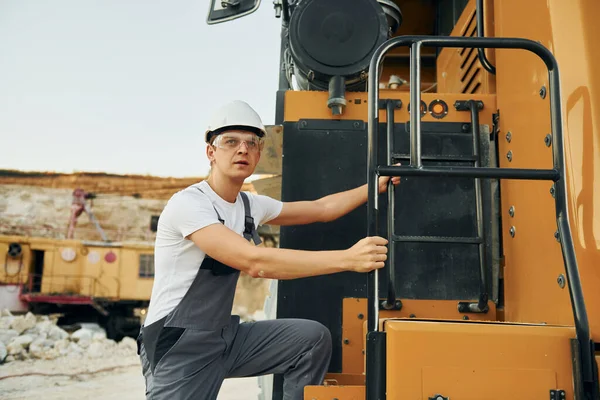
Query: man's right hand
<point x="367" y="254"/>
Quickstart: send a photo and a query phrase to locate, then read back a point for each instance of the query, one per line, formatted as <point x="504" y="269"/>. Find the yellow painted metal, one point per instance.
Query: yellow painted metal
<point x="334" y="392"/>
<point x="87" y="274"/>
<point x="533" y="258"/>
<point x="475" y="360"/>
<point x="313" y="105"/>
<point x="355" y="314"/>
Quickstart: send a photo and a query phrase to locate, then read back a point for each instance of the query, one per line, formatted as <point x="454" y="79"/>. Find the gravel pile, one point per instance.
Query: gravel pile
<point x="28" y="337"/>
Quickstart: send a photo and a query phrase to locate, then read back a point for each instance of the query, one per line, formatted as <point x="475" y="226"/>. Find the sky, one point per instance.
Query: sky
<point x="126" y="86"/>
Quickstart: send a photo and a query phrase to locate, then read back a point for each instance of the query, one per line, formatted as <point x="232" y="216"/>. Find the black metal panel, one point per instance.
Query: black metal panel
<point x="448" y="13"/>
<point x="376" y="366"/>
<point x="319" y="160"/>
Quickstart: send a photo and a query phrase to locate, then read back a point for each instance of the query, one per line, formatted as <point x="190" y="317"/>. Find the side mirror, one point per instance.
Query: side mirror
<point x="226" y="10"/>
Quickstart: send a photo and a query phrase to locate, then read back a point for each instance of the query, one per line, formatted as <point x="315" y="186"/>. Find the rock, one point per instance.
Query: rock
<point x="6" y="321"/>
<point x="7" y="335"/>
<point x="9" y="358"/>
<point x="44" y="326"/>
<point x="62" y="346"/>
<point x="6" y="313"/>
<point x="99" y="336"/>
<point x="95" y="350"/>
<point x="22" y="323"/>
<point x="84" y="343"/>
<point x="3" y="352"/>
<point x="50" y="354"/>
<point x="31" y="331"/>
<point x="57" y="333"/>
<point x="128" y="345"/>
<point x="40" y="347"/>
<point x="42" y="318"/>
<point x="22" y="355"/>
<point x="23" y="341"/>
<point x="74" y="350"/>
<point x="14" y="349"/>
<point x="80" y="334"/>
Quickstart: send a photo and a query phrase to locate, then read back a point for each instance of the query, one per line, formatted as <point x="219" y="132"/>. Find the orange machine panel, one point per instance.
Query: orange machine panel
<point x="355" y="314"/>
<point x="459" y="70"/>
<point x="474" y="361"/>
<point x="334" y="392"/>
<point x="313" y="105"/>
<point x="534" y="263"/>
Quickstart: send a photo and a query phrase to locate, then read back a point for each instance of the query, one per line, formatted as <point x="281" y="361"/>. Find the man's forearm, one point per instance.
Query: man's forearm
<point x="290" y="264"/>
<point x="339" y="204"/>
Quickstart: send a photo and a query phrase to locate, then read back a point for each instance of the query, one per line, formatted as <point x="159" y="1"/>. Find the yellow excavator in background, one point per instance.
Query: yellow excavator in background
<point x="491" y="286"/>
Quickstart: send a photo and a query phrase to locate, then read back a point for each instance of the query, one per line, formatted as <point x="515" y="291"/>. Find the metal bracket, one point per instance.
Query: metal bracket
<point x="383" y="103"/>
<point x="474" y="307"/>
<point x="397" y="306"/>
<point x="463" y="105"/>
<point x="557" y="395"/>
<point x="439" y="397"/>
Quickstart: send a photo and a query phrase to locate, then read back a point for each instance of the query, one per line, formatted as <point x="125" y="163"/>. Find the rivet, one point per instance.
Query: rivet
<point x="508" y="136"/>
<point x="509" y="155"/>
<point x="557" y="236"/>
<point x="543" y="92"/>
<point x="346" y="341"/>
<point x="553" y="191"/>
<point x="412" y="316"/>
<point x="561" y="281"/>
<point x="548" y="140"/>
<point x="361" y="316"/>
<point x="512" y="231"/>
<point x="511" y="211"/>
<point x="466" y="317"/>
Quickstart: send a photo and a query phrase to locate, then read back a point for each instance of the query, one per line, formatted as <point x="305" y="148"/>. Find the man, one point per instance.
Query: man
<point x="191" y="342"/>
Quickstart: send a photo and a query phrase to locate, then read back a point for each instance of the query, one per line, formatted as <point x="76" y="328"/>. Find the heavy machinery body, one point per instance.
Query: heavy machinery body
<point x="83" y="280"/>
<point x="490" y="291"/>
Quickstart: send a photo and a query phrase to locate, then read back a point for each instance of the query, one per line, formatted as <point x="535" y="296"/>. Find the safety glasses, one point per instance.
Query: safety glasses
<point x="233" y="141"/>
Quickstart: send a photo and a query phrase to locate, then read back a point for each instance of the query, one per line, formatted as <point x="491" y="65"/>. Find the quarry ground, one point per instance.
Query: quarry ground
<point x="120" y="378"/>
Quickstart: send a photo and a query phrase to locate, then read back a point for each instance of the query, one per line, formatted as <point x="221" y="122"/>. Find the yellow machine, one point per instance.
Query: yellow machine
<point x="491" y="286"/>
<point x="79" y="279"/>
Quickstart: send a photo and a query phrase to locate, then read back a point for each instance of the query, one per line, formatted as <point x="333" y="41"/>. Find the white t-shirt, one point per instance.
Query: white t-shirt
<point x="176" y="259"/>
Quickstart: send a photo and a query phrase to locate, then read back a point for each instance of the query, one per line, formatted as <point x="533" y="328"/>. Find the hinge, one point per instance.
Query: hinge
<point x="495" y="126"/>
<point x="439" y="397"/>
<point x="557" y="395"/>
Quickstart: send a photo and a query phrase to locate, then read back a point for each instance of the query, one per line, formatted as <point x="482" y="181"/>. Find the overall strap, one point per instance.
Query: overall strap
<point x="249" y="230"/>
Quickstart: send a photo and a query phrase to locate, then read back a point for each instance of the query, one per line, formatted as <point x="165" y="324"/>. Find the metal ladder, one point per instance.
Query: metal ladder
<point x="375" y="369"/>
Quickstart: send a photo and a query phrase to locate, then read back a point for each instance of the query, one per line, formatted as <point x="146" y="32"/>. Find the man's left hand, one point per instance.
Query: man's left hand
<point x="383" y="181"/>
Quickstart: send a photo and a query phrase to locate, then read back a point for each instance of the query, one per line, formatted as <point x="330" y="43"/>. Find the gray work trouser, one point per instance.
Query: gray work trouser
<point x="195" y="367"/>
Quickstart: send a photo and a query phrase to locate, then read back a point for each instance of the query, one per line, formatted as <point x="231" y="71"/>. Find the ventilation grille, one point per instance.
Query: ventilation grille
<point x="470" y="69"/>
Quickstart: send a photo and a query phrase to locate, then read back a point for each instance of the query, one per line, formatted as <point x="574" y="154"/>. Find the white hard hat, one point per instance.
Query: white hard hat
<point x="235" y="115"/>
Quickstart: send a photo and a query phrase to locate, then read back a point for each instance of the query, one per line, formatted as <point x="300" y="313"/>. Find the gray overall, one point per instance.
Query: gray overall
<point x="188" y="353"/>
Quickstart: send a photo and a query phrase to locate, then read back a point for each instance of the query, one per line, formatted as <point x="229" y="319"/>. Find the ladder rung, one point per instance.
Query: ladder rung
<point x="469" y="172"/>
<point x="438" y="239"/>
<point x="436" y="157"/>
